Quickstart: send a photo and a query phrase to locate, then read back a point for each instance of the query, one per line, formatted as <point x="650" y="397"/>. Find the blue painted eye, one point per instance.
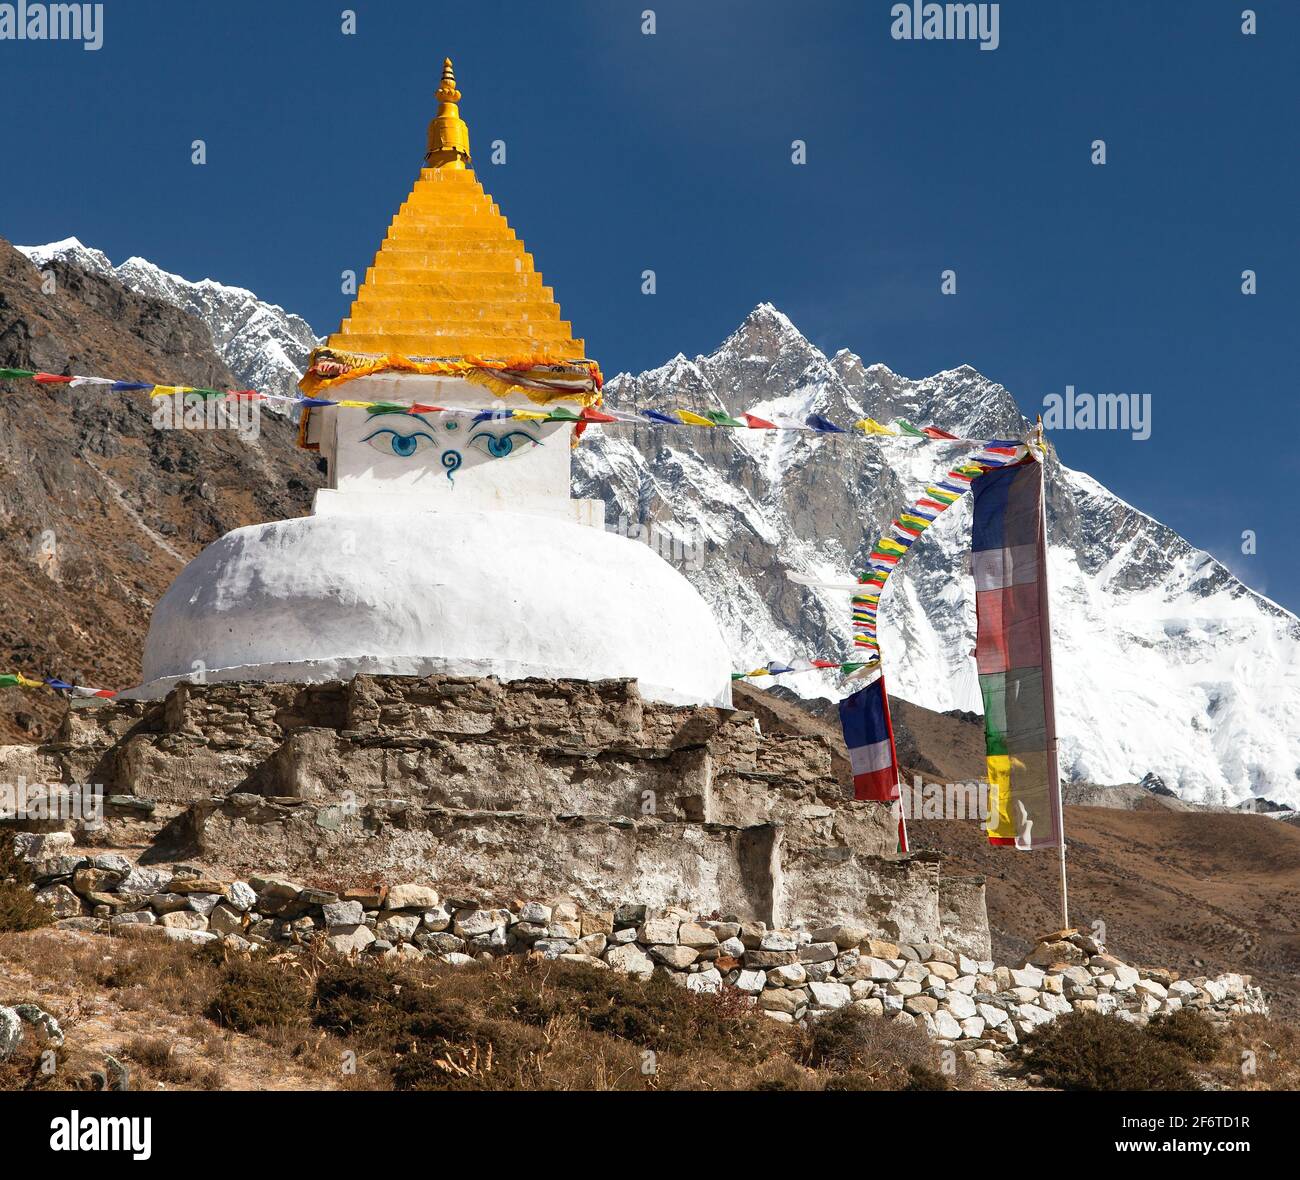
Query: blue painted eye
<point x="500" y="445"/>
<point x="388" y="441"/>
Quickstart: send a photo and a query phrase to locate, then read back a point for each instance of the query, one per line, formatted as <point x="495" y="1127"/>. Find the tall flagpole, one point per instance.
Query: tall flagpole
<point x="1048" y="690"/>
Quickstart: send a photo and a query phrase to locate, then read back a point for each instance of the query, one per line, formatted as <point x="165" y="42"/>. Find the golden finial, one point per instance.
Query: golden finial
<point x="448" y="145"/>
<point x="447" y="92"/>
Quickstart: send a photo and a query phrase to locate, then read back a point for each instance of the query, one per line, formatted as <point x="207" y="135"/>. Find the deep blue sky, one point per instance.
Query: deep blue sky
<point x="672" y="152"/>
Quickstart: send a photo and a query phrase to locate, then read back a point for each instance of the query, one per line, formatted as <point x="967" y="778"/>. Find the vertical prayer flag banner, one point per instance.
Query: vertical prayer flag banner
<point x="869" y="736"/>
<point x="1013" y="652"/>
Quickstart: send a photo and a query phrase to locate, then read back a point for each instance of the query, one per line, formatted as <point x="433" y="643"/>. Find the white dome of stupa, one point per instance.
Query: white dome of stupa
<point x="419" y="593"/>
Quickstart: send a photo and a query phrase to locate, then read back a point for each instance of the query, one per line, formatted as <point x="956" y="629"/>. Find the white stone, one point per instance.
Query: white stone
<point x="708" y="980"/>
<point x="140" y="882"/>
<point x="962" y="1007"/>
<point x="694" y="935"/>
<point x="225" y="919"/>
<point x="1125" y="977"/>
<point x="346" y="939"/>
<point x="778" y="940"/>
<point x="944" y="1024"/>
<point x="973" y="1027"/>
<point x="628" y="959"/>
<point x="398" y="927"/>
<point x="1151" y="987"/>
<point x="751" y="981"/>
<point x="204" y="903"/>
<point x="436" y="920"/>
<point x="470" y="923"/>
<point x="791" y="975"/>
<point x="198" y="937"/>
<point x="829" y="995"/>
<point x="1033" y="1015"/>
<point x="661" y="931"/>
<point x="343" y="913"/>
<point x="240" y="896"/>
<point x="1027" y="977"/>
<point x="993" y="1015"/>
<point x="1057" y="1005"/>
<point x="411" y="897"/>
<point x="11" y="1032"/>
<point x="877" y="969"/>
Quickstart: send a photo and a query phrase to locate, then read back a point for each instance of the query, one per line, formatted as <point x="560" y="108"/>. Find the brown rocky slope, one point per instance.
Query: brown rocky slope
<point x="98" y="509"/>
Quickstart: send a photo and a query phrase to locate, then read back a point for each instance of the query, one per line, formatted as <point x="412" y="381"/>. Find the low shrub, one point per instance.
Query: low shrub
<point x="869" y="1052"/>
<point x="1187" y="1031"/>
<point x="1088" y="1051"/>
<point x="255" y="993"/>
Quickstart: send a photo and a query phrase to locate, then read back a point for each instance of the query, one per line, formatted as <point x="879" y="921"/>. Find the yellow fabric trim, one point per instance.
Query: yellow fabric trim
<point x="998" y="771"/>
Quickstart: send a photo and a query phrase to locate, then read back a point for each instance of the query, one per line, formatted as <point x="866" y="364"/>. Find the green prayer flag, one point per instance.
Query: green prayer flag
<point x="907" y="428"/>
<point x="16" y="374"/>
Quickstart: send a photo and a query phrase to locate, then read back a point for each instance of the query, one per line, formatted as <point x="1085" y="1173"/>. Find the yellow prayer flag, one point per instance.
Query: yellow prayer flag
<point x="871" y="426"/>
<point x="693" y="419"/>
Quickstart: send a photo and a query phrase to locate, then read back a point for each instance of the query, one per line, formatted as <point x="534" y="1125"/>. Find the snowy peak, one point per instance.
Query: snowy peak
<point x="265" y="346"/>
<point x="1165" y="662"/>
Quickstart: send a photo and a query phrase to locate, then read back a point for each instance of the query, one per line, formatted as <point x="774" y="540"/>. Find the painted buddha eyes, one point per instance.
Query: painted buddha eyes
<point x="388" y="441"/>
<point x="500" y="445"/>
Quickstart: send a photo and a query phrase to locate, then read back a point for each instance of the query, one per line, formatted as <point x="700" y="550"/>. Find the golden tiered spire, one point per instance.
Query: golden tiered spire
<point x="451" y="279"/>
<point x="448" y="135"/>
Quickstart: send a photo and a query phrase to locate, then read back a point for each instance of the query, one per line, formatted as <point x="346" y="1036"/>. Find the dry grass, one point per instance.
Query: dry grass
<point x="160" y="1061"/>
<point x="1258" y="1053"/>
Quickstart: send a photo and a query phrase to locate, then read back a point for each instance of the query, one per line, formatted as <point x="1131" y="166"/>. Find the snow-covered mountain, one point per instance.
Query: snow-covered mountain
<point x="1164" y="661"/>
<point x="265" y="346"/>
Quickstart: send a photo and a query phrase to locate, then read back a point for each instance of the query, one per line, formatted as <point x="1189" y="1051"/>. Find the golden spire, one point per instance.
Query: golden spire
<point x="448" y="136"/>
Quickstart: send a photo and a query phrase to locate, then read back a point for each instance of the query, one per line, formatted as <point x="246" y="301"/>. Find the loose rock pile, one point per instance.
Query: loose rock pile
<point x="792" y="974"/>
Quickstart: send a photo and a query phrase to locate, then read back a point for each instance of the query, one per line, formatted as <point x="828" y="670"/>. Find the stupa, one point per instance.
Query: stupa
<point x="447" y="540"/>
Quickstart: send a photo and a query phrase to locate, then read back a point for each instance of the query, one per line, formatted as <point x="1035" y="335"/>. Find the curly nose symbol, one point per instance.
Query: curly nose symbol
<point x="451" y="460"/>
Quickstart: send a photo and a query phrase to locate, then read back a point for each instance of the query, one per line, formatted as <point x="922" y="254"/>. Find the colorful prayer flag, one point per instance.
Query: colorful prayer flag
<point x="1013" y="651"/>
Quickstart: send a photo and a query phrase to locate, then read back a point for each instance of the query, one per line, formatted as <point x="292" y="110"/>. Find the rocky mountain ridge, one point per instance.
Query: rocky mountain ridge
<point x="265" y="347"/>
<point x="1165" y="662"/>
<point x="98" y="509"/>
